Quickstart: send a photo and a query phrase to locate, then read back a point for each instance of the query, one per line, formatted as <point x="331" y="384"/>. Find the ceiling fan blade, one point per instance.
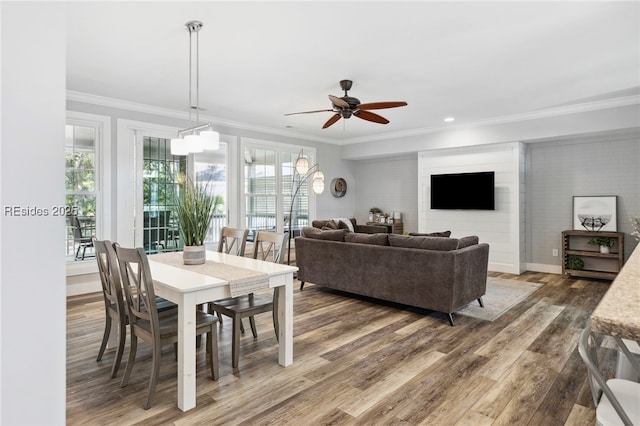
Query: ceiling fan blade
<point x="369" y="116"/>
<point x="309" y="112"/>
<point x="338" y="102"/>
<point x="332" y="120"/>
<point x="381" y="105"/>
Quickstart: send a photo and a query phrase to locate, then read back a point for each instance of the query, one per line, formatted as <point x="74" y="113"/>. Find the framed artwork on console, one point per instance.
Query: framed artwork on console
<point x="595" y="213"/>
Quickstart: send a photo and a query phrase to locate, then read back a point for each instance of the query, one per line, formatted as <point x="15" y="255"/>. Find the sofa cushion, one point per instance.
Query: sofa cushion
<point x="319" y="234"/>
<point x="467" y="241"/>
<point x="374" y="239"/>
<point x="330" y="224"/>
<point x="429" y="243"/>
<point x="431" y="234"/>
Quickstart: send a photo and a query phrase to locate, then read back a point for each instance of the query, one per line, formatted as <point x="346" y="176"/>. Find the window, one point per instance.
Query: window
<point x="269" y="185"/>
<point x="86" y="183"/>
<point x="211" y="167"/>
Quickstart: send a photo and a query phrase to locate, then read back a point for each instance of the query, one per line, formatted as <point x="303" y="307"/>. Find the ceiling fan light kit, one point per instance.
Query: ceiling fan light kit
<point x="198" y="137"/>
<point x="347" y="106"/>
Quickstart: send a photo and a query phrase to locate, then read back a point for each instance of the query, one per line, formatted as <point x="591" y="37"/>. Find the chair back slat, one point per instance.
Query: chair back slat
<point x="138" y="286"/>
<point x="233" y="241"/>
<point x="270" y="246"/>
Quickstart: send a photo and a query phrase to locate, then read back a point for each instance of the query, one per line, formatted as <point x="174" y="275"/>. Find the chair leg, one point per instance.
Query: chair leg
<point x="212" y="347"/>
<point x="155" y="373"/>
<point x="105" y="336"/>
<point x="235" y="346"/>
<point x="301" y="285"/>
<point x="122" y="331"/>
<point x="481" y="302"/>
<point x="254" y="330"/>
<point x="132" y="358"/>
<point x="241" y="326"/>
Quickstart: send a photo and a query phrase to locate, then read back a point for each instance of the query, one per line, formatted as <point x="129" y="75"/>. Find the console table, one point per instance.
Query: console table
<point x="392" y="228"/>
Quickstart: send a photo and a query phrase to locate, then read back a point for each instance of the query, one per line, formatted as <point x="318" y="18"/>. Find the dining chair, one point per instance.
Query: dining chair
<point x="268" y="246"/>
<point x="233" y="241"/>
<point x="153" y="327"/>
<point x="114" y="303"/>
<point x="615" y="399"/>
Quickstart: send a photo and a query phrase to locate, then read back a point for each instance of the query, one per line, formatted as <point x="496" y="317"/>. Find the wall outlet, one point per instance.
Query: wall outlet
<point x="554" y="252"/>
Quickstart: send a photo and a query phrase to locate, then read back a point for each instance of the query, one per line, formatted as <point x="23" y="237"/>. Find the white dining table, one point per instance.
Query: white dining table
<point x="188" y="288"/>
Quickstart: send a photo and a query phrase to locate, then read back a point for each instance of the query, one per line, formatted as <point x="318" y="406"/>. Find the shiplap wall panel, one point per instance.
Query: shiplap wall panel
<point x="503" y="227"/>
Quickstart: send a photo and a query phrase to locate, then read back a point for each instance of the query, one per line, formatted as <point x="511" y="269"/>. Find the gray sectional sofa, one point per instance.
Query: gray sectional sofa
<point x="436" y="273"/>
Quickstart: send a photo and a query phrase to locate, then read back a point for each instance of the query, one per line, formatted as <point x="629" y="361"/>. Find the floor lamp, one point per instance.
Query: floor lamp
<point x="303" y="170"/>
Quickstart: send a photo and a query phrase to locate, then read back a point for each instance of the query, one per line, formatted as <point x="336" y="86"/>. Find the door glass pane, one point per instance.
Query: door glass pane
<point x="211" y="169"/>
<point x="81" y="194"/>
<point x="163" y="174"/>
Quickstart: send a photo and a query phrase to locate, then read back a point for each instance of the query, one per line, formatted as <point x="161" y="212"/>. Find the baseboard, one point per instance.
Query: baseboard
<point x="542" y="267"/>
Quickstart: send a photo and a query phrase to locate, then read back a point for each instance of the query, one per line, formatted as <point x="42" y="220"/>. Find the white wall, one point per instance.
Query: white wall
<point x="502" y="228"/>
<point x="32" y="269"/>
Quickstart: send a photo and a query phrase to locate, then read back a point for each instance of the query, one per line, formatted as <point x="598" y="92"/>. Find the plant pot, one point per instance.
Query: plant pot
<point x="604" y="249"/>
<point x="194" y="255"/>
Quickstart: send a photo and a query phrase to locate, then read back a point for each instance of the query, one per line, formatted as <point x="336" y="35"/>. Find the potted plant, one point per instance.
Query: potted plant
<point x="374" y="213"/>
<point x="195" y="210"/>
<point x="575" y="263"/>
<point x="605" y="243"/>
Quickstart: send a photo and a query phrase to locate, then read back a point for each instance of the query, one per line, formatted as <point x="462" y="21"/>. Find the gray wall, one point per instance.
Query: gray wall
<point x="390" y="184"/>
<point x="598" y="164"/>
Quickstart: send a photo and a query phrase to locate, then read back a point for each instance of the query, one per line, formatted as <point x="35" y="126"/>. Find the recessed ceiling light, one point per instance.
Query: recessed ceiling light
<point x="449" y="119"/>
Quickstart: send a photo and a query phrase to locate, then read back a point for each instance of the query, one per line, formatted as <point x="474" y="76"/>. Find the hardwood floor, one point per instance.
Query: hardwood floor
<point x="357" y="362"/>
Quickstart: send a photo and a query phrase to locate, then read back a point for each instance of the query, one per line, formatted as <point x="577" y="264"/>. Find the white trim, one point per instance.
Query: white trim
<point x="102" y="124"/>
<point x="544" y="113"/>
<point x="129" y="176"/>
<point x="541" y="267"/>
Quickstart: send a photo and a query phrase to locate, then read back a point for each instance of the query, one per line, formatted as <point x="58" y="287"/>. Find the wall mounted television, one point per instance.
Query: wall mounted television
<point x="463" y="191"/>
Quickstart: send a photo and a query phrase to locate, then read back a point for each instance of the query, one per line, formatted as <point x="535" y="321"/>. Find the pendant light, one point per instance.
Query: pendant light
<point x="198" y="137"/>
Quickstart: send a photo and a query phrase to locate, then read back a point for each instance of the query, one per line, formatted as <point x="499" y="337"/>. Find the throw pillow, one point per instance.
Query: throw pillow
<point x="374" y="239"/>
<point x="429" y="243"/>
<point x="319" y="234"/>
<point x="431" y="234"/>
<point x="330" y="224"/>
<point x="343" y="225"/>
<point x="467" y="241"/>
<point x="346" y="221"/>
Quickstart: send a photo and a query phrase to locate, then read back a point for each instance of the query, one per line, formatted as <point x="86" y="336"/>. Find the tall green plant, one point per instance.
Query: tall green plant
<point x="195" y="209"/>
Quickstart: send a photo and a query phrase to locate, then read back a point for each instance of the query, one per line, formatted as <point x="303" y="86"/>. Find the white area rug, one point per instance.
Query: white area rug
<point x="501" y="296"/>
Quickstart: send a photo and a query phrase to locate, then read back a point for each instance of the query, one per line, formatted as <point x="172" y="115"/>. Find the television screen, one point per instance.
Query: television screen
<point x="463" y="191"/>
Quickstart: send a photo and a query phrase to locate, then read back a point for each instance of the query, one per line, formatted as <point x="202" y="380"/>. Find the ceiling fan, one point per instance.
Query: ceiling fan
<point x="347" y="106"/>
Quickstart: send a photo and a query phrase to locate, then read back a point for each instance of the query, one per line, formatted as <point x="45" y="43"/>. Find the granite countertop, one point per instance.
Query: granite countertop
<point x="618" y="313"/>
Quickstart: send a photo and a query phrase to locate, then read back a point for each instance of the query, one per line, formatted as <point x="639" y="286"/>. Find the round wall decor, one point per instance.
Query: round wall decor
<point x="338" y="187"/>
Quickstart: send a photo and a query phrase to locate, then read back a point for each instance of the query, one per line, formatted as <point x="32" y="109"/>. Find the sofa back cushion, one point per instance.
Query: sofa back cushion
<point x="320" y="234"/>
<point x="467" y="241"/>
<point x="429" y="243"/>
<point x="431" y="234"/>
<point x="375" y="239"/>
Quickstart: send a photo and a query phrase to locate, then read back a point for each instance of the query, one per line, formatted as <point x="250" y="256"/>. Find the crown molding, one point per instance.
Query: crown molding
<point x="512" y="118"/>
<point x="167" y="112"/>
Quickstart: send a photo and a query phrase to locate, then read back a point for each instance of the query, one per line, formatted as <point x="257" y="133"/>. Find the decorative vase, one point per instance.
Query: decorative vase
<point x="194" y="255"/>
<point x="604" y="249"/>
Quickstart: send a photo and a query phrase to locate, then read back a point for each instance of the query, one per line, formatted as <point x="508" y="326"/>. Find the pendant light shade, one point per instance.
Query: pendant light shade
<point x="211" y="140"/>
<point x="179" y="147"/>
<point x="318" y="185"/>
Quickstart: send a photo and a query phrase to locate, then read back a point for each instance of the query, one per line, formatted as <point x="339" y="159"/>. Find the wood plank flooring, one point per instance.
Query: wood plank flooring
<point x="358" y="362"/>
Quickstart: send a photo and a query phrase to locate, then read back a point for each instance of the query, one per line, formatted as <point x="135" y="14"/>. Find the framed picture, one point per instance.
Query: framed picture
<point x="596" y="213"/>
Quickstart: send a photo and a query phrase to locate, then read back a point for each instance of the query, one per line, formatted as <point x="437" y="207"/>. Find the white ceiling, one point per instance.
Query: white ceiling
<point x="475" y="61"/>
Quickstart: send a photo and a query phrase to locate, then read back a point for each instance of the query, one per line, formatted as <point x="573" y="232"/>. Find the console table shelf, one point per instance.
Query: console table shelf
<point x="596" y="265"/>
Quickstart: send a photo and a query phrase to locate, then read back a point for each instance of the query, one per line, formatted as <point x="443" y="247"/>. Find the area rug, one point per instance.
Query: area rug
<point x="502" y="295"/>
